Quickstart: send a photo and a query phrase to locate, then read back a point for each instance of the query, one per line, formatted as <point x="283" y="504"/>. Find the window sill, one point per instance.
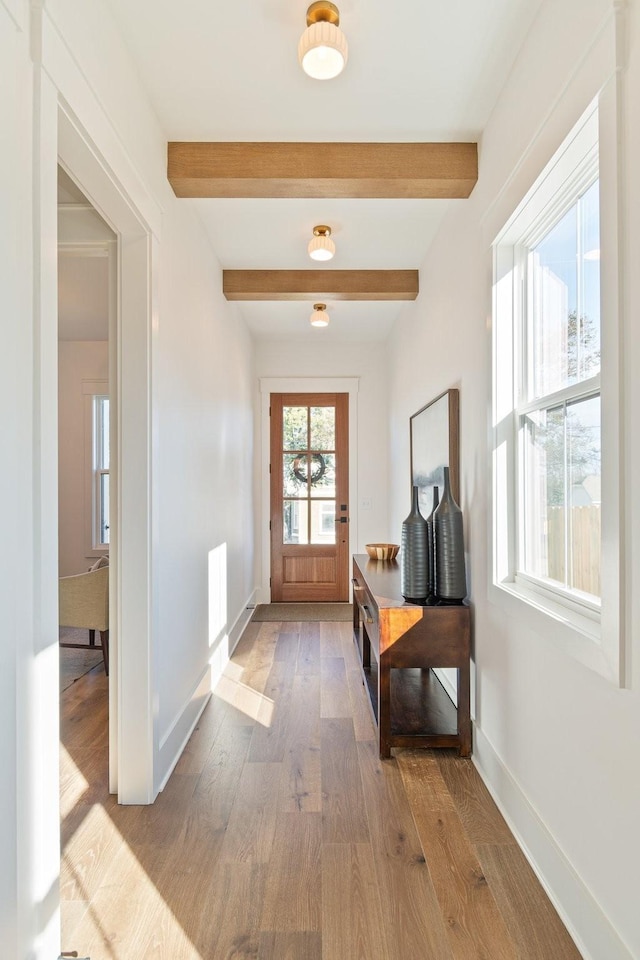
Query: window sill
<point x="577" y="635"/>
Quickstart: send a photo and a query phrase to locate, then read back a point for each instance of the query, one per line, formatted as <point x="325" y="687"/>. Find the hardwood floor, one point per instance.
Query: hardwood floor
<point x="281" y="835"/>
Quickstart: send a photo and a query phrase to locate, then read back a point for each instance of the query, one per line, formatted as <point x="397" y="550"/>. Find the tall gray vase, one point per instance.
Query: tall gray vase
<point x="414" y="557"/>
<point x="450" y="580"/>
<point x="431" y="545"/>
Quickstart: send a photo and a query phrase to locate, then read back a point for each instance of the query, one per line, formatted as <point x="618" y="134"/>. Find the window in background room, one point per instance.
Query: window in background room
<point x="100" y="472"/>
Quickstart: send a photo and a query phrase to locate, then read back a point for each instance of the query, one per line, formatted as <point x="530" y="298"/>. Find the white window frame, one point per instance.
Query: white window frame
<point x="99" y="471"/>
<point x="92" y="389"/>
<point x="591" y="633"/>
<point x="578" y="183"/>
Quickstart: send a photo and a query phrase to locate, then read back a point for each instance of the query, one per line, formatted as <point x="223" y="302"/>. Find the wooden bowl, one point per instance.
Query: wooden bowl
<point x="382" y="551"/>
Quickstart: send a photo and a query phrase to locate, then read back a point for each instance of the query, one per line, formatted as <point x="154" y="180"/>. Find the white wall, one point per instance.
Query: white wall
<point x="205" y="449"/>
<point x="201" y="408"/>
<point x="368" y="362"/>
<point x="556" y="742"/>
<point x="79" y="361"/>
<point x="201" y="414"/>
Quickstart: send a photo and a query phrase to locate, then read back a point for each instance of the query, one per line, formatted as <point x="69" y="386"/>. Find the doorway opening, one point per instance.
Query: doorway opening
<point x="135" y="221"/>
<point x="87" y="256"/>
<point x="303" y="385"/>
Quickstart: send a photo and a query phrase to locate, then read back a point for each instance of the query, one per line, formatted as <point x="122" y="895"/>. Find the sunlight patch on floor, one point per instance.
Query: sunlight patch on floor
<point x="73" y="783"/>
<point x="237" y="694"/>
<point x="127" y="886"/>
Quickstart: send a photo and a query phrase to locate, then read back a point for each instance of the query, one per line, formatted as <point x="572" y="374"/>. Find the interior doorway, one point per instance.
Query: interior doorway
<point x="112" y="188"/>
<point x="87" y="289"/>
<point x="309" y="500"/>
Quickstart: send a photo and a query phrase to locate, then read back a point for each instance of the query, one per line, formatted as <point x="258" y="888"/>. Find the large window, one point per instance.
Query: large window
<point x="558" y="396"/>
<point x="556" y="403"/>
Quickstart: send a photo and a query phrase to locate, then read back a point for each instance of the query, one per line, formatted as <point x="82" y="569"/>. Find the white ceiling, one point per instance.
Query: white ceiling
<point x="418" y="70"/>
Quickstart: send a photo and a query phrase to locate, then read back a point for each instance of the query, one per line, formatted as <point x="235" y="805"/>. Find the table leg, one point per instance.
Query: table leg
<point x="464" y="710"/>
<point x="384" y="707"/>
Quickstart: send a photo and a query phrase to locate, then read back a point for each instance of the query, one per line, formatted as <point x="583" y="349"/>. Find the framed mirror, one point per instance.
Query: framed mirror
<point x="434" y="446"/>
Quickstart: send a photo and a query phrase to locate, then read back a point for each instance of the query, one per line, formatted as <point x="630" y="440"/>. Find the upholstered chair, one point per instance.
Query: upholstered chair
<point x="84" y="603"/>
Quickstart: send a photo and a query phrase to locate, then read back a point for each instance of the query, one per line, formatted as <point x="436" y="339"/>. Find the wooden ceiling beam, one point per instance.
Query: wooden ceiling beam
<point x="320" y="284"/>
<point x="340" y="170"/>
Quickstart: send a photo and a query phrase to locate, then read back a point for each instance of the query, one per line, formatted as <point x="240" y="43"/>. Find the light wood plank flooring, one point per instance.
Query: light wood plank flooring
<point x="282" y="836"/>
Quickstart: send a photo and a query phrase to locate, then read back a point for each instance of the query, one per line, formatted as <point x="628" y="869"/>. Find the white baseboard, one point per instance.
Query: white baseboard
<point x="584" y="918"/>
<point x="175" y="739"/>
<point x="241" y="621"/>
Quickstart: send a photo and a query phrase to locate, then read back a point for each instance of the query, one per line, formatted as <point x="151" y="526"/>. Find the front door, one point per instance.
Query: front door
<point x="309" y="503"/>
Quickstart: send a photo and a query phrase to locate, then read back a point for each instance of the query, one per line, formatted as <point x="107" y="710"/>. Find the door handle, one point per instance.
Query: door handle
<point x="342" y="520"/>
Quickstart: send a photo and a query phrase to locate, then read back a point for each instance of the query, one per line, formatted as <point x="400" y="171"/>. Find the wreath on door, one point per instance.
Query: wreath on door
<point x="318" y="467"/>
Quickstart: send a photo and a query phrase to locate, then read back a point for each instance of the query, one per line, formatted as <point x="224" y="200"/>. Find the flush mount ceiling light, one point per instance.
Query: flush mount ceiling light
<point x="323" y="48"/>
<point x="321" y="246"/>
<point x="319" y="317"/>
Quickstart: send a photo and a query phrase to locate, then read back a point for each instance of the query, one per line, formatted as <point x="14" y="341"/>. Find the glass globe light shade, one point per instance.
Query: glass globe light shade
<point x="323" y="50"/>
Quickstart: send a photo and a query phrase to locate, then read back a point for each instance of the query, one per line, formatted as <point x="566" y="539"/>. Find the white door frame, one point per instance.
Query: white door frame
<point x="269" y="385"/>
<point x="131" y="721"/>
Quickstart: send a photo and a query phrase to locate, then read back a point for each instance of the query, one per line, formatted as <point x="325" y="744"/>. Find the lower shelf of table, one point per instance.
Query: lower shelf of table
<point x="420" y="706"/>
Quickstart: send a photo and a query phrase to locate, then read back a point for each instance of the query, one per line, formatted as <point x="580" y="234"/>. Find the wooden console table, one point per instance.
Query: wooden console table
<point x="410" y="706"/>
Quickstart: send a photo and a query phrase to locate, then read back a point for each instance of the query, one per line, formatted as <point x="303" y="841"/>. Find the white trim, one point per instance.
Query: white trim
<point x="578" y="909"/>
<point x="132" y="526"/>
<point x="39" y="737"/>
<point x="269" y="385"/>
<point x="583" y="390"/>
<point x="613" y="217"/>
<point x="92" y="388"/>
<point x="573" y="600"/>
<point x="543" y="204"/>
<point x="185" y="721"/>
<point x="568" y="631"/>
<point x="599" y="62"/>
<point x="74" y="207"/>
<point x="603" y="649"/>
<point x="112" y="334"/>
<point x="177" y="736"/>
<point x="239" y="626"/>
<point x="79" y="100"/>
<point x="131" y="716"/>
<point x="99" y="249"/>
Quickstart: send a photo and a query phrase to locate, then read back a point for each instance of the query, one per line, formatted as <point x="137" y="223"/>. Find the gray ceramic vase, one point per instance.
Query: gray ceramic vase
<point x="414" y="557"/>
<point x="431" y="545"/>
<point x="450" y="580"/>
